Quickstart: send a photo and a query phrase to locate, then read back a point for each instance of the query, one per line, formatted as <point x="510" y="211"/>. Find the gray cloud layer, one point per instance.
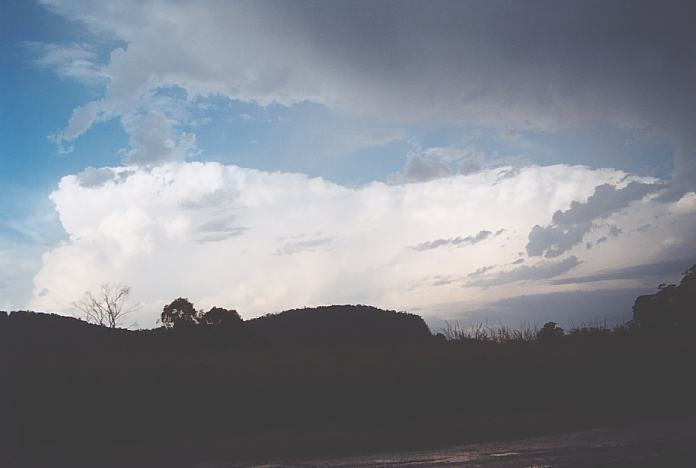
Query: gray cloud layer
<point x="538" y="64"/>
<point x="663" y="269"/>
<point x="568" y="308"/>
<point x="570" y="226"/>
<point x="540" y="271"/>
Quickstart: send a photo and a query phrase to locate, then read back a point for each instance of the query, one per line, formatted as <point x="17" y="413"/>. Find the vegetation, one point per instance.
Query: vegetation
<point x="109" y="308"/>
<point x="672" y="308"/>
<point x="318" y="381"/>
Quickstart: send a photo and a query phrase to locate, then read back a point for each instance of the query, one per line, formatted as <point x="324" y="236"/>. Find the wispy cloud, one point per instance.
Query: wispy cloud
<point x="308" y="245"/>
<point x="540" y="271"/>
<point x="75" y="61"/>
<point x="456" y="241"/>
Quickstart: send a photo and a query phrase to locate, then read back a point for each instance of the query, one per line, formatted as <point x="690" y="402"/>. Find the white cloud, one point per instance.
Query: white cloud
<point x="151" y="228"/>
<point x="75" y="61"/>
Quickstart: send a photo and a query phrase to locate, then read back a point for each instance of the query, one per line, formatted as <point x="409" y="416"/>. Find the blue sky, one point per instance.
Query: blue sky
<point x="148" y="88"/>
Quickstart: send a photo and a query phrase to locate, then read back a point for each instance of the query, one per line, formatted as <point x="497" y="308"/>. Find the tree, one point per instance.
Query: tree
<point x="670" y="308"/>
<point x="550" y="331"/>
<point x="223" y="318"/>
<point x="109" y="307"/>
<point x="180" y="313"/>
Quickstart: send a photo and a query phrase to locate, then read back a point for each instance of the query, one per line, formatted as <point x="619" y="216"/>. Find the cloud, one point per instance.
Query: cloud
<point x="309" y="245"/>
<point x="213" y="233"/>
<point x="455" y="241"/>
<point x="95" y="177"/>
<point x="152" y="140"/>
<point x="569" y="309"/>
<point x="436" y="162"/>
<point x="552" y="241"/>
<point x="673" y="268"/>
<point x="220" y="228"/>
<point x="508" y="64"/>
<point x="570" y="226"/>
<point x="420" y="168"/>
<point x="75" y="61"/>
<point x="540" y="271"/>
<point x="481" y="271"/>
<point x="606" y="199"/>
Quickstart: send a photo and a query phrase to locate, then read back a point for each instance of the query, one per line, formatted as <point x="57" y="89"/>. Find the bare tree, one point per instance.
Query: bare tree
<point x="109" y="307"/>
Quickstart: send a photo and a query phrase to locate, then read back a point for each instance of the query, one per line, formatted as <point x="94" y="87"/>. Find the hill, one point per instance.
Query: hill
<point x="323" y="381"/>
<point x="338" y="325"/>
<point x="357" y="325"/>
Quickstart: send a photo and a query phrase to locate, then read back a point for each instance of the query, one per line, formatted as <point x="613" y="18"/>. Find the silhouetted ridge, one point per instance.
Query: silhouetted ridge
<point x="36" y="330"/>
<point x="340" y="324"/>
<point x="350" y="377"/>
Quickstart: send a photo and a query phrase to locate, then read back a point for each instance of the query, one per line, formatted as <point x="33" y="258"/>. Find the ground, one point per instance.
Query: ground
<point x="654" y="444"/>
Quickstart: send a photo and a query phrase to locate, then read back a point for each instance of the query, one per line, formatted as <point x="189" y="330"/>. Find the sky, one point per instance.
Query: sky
<point x="473" y="161"/>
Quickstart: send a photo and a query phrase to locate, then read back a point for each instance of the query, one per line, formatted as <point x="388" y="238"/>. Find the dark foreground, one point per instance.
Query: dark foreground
<point x="654" y="444"/>
<point x="339" y="382"/>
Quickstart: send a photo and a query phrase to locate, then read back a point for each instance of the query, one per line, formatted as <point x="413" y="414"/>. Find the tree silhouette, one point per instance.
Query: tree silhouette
<point x="180" y="313"/>
<point x="671" y="308"/>
<point x="219" y="317"/>
<point x="550" y="331"/>
<point x="109" y="307"/>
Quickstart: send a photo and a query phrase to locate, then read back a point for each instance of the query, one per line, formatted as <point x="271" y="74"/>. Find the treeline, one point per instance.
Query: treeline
<point x="323" y="381"/>
<point x="345" y="325"/>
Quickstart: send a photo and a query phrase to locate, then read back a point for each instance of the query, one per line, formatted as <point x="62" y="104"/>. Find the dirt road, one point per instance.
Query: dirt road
<point x="661" y="444"/>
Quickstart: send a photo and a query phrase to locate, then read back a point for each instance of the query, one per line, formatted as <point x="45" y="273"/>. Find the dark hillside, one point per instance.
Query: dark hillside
<point x="345" y="325"/>
<point x="36" y="331"/>
<point x="339" y="325"/>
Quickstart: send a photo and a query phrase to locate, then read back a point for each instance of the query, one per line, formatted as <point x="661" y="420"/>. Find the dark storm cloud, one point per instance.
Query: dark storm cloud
<point x="537" y="64"/>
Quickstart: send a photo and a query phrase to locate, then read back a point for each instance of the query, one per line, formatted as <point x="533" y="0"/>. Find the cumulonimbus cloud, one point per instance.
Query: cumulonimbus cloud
<point x="261" y="242"/>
